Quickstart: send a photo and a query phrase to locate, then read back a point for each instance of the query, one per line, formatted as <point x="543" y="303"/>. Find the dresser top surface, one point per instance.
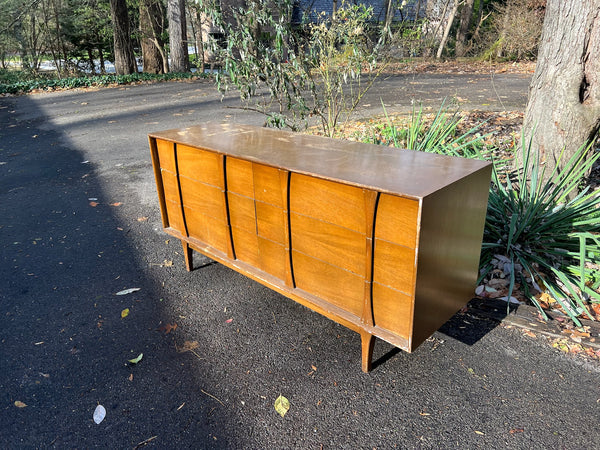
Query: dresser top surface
<point x="404" y="172"/>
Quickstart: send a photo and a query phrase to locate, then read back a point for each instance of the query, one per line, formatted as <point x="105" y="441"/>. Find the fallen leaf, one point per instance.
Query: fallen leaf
<point x="20" y="404"/>
<point x="529" y="333"/>
<point x="127" y="291"/>
<point x="94" y="204"/>
<point x="314" y="368"/>
<point x="187" y="346"/>
<point x="116" y="204"/>
<point x="517" y="430"/>
<point x="168" y="327"/>
<point x="130" y="377"/>
<point x="142" y="219"/>
<point x="282" y="405"/>
<point x="124" y="313"/>
<point x="229" y="321"/>
<point x="99" y="414"/>
<point x="479" y="432"/>
<point x="136" y="360"/>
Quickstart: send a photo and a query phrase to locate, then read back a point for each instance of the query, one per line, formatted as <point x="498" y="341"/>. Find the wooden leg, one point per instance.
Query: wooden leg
<point x="368" y="342"/>
<point x="189" y="258"/>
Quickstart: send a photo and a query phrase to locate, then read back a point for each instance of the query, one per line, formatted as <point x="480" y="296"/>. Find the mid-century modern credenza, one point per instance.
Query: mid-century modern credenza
<point x="383" y="241"/>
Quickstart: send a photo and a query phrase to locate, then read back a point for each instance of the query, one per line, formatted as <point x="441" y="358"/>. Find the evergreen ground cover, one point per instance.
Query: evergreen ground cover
<point x="20" y="82"/>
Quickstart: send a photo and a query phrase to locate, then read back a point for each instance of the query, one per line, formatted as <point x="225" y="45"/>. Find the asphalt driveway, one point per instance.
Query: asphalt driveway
<point x="80" y="222"/>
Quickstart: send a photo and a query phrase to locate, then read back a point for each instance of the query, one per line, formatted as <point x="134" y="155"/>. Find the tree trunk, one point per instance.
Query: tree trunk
<point x="386" y="32"/>
<point x="466" y="13"/>
<point x="447" y="29"/>
<point x="563" y="110"/>
<point x="151" y="29"/>
<point x="124" y="57"/>
<point x="178" y="36"/>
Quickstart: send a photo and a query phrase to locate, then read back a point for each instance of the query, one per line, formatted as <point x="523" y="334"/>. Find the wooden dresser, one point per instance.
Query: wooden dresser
<point x="383" y="241"/>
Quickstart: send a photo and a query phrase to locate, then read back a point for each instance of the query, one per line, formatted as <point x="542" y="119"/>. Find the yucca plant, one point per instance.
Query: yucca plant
<point x="547" y="229"/>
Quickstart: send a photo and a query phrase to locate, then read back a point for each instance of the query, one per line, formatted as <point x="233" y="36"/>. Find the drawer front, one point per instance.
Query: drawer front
<point x="206" y="229"/>
<point x="329" y="201"/>
<point x="240" y="179"/>
<point x="274" y="258"/>
<point x="397" y="220"/>
<point x="392" y="310"/>
<point x="201" y="165"/>
<point x="246" y="246"/>
<point x="394" y="266"/>
<point x="336" y="245"/>
<point x="203" y="198"/>
<point x="166" y="155"/>
<point x="242" y="212"/>
<point x="336" y="285"/>
<point x="257" y="197"/>
<point x="269" y="185"/>
<point x="271" y="222"/>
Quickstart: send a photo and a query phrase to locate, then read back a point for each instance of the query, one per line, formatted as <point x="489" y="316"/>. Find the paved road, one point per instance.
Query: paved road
<point x="79" y="222"/>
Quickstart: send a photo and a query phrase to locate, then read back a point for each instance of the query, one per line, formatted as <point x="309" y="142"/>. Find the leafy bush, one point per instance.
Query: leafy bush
<point x="22" y="84"/>
<point x="321" y="69"/>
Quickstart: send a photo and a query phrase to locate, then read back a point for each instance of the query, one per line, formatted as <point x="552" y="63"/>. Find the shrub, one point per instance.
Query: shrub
<point x="440" y="135"/>
<point x="321" y="69"/>
<point x="547" y="230"/>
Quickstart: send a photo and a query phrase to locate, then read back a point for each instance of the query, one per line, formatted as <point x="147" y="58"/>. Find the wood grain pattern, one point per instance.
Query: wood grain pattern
<point x="273" y="258"/>
<point x="240" y="177"/>
<point x="397" y="220"/>
<point x="267" y="185"/>
<point x="392" y="310"/>
<point x="200" y="165"/>
<point x="242" y="213"/>
<point x="174" y="216"/>
<point x="338" y="286"/>
<point x="271" y="222"/>
<point x="205" y="199"/>
<point x="245" y="245"/>
<point x="166" y="155"/>
<point x="207" y="229"/>
<point x="331" y="202"/>
<point x="170" y="186"/>
<point x="394" y="266"/>
<point x="336" y="245"/>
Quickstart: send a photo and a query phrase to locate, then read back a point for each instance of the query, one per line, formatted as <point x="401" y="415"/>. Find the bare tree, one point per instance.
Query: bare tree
<point x="447" y="29"/>
<point x="151" y="27"/>
<point x="563" y="110"/>
<point x="124" y="58"/>
<point x="178" y="36"/>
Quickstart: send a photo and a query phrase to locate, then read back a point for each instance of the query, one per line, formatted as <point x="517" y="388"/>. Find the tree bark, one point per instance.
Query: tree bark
<point x="462" y="34"/>
<point x="124" y="58"/>
<point x="151" y="29"/>
<point x="447" y="29"/>
<point x="563" y="110"/>
<point x="386" y="32"/>
<point x="178" y="36"/>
